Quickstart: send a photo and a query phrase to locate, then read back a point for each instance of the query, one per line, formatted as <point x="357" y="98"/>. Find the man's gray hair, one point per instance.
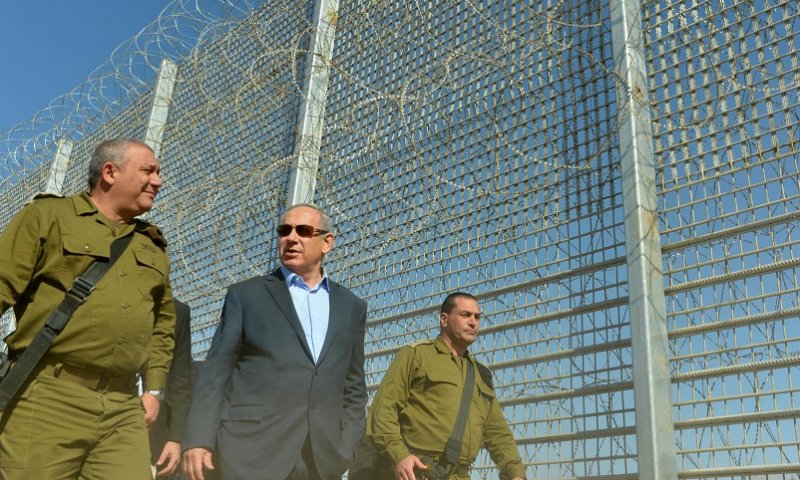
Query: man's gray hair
<point x="110" y="151"/>
<point x="326" y="223"/>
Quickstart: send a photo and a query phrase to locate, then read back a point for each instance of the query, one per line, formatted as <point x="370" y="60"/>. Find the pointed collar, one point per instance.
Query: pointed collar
<point x="292" y="278"/>
<point x="442" y="347"/>
<point x="83" y="204"/>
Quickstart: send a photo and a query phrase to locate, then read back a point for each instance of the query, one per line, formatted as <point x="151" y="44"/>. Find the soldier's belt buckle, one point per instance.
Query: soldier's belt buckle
<point x="102" y="383"/>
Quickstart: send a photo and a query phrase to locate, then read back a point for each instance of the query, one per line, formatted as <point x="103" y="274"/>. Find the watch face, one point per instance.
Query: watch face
<point x="156" y="393"/>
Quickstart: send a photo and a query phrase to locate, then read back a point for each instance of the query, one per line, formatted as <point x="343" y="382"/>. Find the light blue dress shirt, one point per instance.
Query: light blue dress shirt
<point x="313" y="308"/>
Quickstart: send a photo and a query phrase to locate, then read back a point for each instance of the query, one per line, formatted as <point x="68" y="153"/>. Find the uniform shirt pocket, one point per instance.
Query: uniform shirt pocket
<point x="74" y="244"/>
<point x="148" y="259"/>
<point x="151" y="271"/>
<point x="79" y="250"/>
<point x="437" y="375"/>
<point x="442" y="388"/>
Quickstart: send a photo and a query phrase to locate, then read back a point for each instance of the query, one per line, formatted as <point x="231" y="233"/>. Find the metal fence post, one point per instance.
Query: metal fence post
<point x="58" y="169"/>
<point x="312" y="109"/>
<point x="655" y="431"/>
<point x="162" y="97"/>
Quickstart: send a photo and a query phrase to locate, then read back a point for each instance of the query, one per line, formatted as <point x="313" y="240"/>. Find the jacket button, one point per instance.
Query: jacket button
<point x="87" y="247"/>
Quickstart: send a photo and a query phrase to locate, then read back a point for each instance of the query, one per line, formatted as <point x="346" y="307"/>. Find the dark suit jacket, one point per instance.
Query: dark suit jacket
<point x="172" y="412"/>
<point x="259" y="394"/>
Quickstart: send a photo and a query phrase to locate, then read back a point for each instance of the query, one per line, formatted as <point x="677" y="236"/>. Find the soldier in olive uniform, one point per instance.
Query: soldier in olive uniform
<point x="80" y="416"/>
<point x="415" y="409"/>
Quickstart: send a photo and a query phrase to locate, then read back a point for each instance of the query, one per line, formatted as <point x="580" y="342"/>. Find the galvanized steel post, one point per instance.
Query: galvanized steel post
<point x="58" y="169"/>
<point x="655" y="431"/>
<point x="312" y="109"/>
<point x="162" y="98"/>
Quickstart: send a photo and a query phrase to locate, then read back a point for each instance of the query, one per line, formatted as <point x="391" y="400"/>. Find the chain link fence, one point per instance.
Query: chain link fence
<point x="477" y="146"/>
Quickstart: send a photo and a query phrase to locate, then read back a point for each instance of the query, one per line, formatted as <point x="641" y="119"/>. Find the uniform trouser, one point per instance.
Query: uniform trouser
<point x="62" y="430"/>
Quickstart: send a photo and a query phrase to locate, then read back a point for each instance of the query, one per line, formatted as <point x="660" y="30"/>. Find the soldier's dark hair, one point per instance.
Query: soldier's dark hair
<point x="450" y="301"/>
<point x="325" y="222"/>
<point x="110" y="151"/>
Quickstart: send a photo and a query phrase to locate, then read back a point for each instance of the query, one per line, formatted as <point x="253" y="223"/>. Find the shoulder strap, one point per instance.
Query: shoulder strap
<point x="75" y="296"/>
<point x="453" y="448"/>
<point x="486" y="375"/>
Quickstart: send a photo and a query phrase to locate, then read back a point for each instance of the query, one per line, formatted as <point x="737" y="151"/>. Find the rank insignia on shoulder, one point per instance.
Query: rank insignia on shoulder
<point x="153" y="232"/>
<point x="486" y="374"/>
<point x="158" y="238"/>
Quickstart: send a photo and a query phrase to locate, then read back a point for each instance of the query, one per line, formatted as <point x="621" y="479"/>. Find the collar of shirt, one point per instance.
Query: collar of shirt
<point x="442" y="347"/>
<point x="294" y="280"/>
<point x="83" y="204"/>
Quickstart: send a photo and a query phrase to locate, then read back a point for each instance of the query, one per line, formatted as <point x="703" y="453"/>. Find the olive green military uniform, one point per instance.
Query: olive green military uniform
<point x="82" y="406"/>
<point x="417" y="403"/>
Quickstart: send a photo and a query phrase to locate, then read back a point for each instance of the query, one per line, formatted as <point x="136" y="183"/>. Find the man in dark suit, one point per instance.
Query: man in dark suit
<point x="167" y="431"/>
<point x="282" y="395"/>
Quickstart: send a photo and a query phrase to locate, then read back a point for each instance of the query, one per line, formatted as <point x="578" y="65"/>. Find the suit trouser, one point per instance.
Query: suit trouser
<point x="62" y="430"/>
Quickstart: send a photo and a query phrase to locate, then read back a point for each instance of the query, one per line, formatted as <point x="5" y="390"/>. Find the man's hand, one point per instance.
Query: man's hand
<point x="405" y="469"/>
<point x="151" y="405"/>
<point x="196" y="461"/>
<point x="169" y="459"/>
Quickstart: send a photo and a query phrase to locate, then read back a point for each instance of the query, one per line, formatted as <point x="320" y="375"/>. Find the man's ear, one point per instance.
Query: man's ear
<point x="327" y="243"/>
<point x="108" y="173"/>
<point x="443" y="320"/>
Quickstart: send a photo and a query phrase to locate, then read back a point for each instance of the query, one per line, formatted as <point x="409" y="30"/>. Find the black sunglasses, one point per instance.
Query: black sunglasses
<point x="306" y="231"/>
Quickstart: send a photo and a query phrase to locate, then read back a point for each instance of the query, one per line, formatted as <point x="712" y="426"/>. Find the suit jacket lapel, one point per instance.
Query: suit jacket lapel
<point x="336" y="318"/>
<point x="276" y="285"/>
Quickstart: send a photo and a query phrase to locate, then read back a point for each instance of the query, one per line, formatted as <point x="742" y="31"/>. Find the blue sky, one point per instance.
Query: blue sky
<point x="48" y="47"/>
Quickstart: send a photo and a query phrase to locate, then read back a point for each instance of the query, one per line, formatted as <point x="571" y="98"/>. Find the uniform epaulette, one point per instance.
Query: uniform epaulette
<point x="486" y="374"/>
<point x="420" y="342"/>
<point x="38" y="195"/>
<point x="152" y="231"/>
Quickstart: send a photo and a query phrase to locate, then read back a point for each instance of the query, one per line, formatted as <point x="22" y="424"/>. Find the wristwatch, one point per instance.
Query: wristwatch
<point x="159" y="394"/>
